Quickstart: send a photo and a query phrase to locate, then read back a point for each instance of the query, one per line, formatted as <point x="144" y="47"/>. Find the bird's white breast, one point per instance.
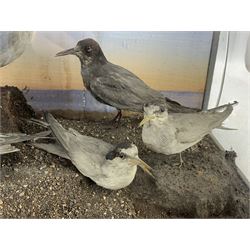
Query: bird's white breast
<point x="160" y="137"/>
<point x="112" y="175"/>
<point x="116" y="174"/>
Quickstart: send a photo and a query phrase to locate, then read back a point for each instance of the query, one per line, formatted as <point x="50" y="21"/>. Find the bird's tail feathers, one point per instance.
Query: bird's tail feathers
<point x="226" y="128"/>
<point x="223" y="107"/>
<point x="219" y="114"/>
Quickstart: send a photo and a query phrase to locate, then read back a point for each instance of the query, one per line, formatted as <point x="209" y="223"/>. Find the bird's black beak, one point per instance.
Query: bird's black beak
<point x="66" y="52"/>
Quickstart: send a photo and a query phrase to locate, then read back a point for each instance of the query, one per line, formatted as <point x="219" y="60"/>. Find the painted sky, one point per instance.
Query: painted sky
<point x="164" y="60"/>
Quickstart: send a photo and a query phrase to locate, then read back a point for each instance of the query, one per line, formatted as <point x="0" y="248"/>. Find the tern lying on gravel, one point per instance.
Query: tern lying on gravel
<point x="112" y="167"/>
<point x="6" y="140"/>
<point x="173" y="133"/>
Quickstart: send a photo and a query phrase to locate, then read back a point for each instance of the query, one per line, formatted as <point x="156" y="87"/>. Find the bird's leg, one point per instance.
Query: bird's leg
<point x="181" y="161"/>
<point x="118" y="117"/>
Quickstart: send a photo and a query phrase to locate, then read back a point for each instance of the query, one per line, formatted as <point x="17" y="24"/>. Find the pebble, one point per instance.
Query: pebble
<point x="53" y="165"/>
<point x="21" y="194"/>
<point x="1" y="202"/>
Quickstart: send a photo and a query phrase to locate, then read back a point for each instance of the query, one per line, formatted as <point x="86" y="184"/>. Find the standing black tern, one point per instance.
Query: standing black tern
<point x="111" y="167"/>
<point x="114" y="85"/>
<point x="173" y="133"/>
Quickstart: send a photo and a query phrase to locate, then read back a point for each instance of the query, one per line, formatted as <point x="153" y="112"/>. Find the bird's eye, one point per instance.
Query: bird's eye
<point x="146" y="105"/>
<point x="122" y="156"/>
<point x="88" y="49"/>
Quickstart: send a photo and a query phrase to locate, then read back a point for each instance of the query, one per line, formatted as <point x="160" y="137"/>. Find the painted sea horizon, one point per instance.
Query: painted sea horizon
<point x="82" y="100"/>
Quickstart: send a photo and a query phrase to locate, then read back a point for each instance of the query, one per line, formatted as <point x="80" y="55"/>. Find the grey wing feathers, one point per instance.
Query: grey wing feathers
<point x="53" y="148"/>
<point x="7" y="139"/>
<point x="86" y="154"/>
<point x="19" y="137"/>
<point x="61" y="134"/>
<point x="175" y="107"/>
<point x="100" y="146"/>
<point x="191" y="127"/>
<point x="223" y="107"/>
<point x="6" y="149"/>
<point x="77" y="145"/>
<point x="123" y="90"/>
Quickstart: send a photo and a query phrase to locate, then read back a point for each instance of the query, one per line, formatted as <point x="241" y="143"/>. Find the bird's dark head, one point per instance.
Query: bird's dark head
<point x="127" y="154"/>
<point x="87" y="50"/>
<point x="123" y="151"/>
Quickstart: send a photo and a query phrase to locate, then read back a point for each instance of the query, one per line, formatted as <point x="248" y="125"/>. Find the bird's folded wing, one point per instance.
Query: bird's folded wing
<point x="53" y="148"/>
<point x="10" y="138"/>
<point x="6" y="149"/>
<point x="86" y="152"/>
<point x="92" y="143"/>
<point x="192" y="127"/>
<point x="19" y="137"/>
<point x="122" y="89"/>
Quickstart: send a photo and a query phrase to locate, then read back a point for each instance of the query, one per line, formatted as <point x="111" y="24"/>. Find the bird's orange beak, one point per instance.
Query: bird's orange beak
<point x="146" y="168"/>
<point x="146" y="119"/>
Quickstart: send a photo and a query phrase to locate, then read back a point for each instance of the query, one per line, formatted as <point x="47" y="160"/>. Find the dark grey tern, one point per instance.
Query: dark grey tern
<point x="114" y="85"/>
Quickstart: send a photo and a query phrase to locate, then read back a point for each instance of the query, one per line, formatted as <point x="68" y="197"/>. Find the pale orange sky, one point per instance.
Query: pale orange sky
<point x="175" y="70"/>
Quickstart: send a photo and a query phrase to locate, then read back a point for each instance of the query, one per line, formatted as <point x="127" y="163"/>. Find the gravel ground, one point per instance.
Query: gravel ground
<point x="35" y="184"/>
